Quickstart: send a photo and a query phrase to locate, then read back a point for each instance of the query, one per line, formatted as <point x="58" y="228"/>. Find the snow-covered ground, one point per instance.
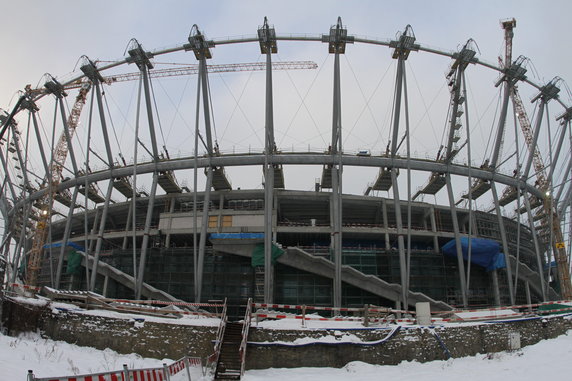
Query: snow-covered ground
<point x="533" y="363"/>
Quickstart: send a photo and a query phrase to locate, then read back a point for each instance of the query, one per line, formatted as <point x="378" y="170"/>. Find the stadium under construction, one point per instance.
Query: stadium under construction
<point x="81" y="218"/>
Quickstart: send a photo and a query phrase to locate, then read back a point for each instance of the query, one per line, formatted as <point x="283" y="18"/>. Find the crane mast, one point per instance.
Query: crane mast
<point x="46" y="202"/>
<point x="54" y="177"/>
<point x="550" y="218"/>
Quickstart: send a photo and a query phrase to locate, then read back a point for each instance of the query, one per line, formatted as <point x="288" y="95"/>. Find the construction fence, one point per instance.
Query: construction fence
<point x="191" y="365"/>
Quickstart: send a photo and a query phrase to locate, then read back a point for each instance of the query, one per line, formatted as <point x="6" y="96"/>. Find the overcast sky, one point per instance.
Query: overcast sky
<point x="49" y="36"/>
<point x="40" y="37"/>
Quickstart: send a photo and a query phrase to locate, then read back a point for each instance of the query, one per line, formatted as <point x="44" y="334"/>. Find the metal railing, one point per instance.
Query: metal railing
<point x="213" y="359"/>
<point x="245" y="328"/>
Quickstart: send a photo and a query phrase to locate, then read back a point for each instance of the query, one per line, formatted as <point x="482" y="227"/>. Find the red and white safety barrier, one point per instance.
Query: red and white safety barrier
<point x="181" y="364"/>
<point x="152" y="374"/>
<point x="110" y="376"/>
<point x="149" y="374"/>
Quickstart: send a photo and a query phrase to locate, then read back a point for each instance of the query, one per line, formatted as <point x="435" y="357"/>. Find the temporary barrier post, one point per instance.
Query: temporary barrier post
<point x="30" y="375"/>
<point x="304" y="315"/>
<point x="125" y="372"/>
<point x="166" y="374"/>
<point x="187" y="367"/>
<point x="365" y="315"/>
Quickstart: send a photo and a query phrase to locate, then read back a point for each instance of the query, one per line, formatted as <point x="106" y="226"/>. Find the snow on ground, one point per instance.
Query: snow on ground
<point x="48" y="358"/>
<point x="52" y="358"/>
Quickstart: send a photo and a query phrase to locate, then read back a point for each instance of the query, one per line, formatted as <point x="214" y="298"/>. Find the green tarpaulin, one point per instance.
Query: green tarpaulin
<point x="258" y="254"/>
<point x="74" y="262"/>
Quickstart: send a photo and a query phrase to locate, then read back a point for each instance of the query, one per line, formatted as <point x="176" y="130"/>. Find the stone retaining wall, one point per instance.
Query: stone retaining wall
<point x="415" y="343"/>
<point x="146" y="338"/>
<point x="164" y="340"/>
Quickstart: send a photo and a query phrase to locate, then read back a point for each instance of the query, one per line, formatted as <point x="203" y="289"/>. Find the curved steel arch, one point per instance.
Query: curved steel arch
<point x="325" y="159"/>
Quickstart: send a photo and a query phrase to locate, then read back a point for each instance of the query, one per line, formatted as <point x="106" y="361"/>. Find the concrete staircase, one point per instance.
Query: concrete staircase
<point x="525" y="273"/>
<point x="302" y="260"/>
<point x="127" y="280"/>
<point x="229" y="363"/>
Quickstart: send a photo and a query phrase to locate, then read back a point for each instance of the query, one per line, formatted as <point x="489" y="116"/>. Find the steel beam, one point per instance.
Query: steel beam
<point x="100" y="234"/>
<point x="203" y="236"/>
<point x="539" y="261"/>
<point x="456" y="231"/>
<point x="504" y="241"/>
<point x="145" y="242"/>
<point x="65" y="239"/>
<point x="268" y="46"/>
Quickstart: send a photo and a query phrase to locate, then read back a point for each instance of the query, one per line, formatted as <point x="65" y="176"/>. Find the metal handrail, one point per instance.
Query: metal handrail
<point x="213" y="359"/>
<point x="245" y="328"/>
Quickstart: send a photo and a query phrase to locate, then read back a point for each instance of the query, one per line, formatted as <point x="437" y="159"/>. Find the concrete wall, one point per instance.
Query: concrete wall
<point x="183" y="222"/>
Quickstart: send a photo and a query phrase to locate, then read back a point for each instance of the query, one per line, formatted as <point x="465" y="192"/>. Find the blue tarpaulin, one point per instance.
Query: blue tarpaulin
<point x="237" y="236"/>
<point x="70" y="244"/>
<point x="484" y="252"/>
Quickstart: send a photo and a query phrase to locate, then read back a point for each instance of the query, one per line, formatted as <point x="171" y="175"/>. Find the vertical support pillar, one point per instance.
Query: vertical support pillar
<point x="67" y="232"/>
<point x="201" y="48"/>
<point x="434" y="229"/>
<point x="203" y="236"/>
<point x="145" y="241"/>
<point x="99" y="242"/>
<point x="127" y="225"/>
<point x="21" y="242"/>
<point x="385" y="224"/>
<point x="40" y="141"/>
<point x="539" y="262"/>
<point x="403" y="46"/>
<point x="171" y="210"/>
<point x="460" y="261"/>
<point x="504" y="242"/>
<point x="267" y="39"/>
<point x="337" y="40"/>
<point x="495" y="280"/>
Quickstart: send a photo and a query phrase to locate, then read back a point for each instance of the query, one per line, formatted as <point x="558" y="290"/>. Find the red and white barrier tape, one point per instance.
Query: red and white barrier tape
<point x="208" y="314"/>
<point x="318" y="308"/>
<point x="25" y="287"/>
<point x="300" y="317"/>
<point x="165" y="303"/>
<point x="506" y="307"/>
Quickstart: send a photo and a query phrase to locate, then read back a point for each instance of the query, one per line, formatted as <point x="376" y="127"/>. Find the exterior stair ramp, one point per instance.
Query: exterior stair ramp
<point x="127" y="280"/>
<point x="526" y="274"/>
<point x="302" y="260"/>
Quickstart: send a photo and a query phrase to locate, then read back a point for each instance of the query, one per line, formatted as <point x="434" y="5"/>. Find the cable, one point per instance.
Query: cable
<point x="112" y="125"/>
<point x="303" y="103"/>
<point x="366" y="106"/>
<point x="425" y="104"/>
<point x="237" y="106"/>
